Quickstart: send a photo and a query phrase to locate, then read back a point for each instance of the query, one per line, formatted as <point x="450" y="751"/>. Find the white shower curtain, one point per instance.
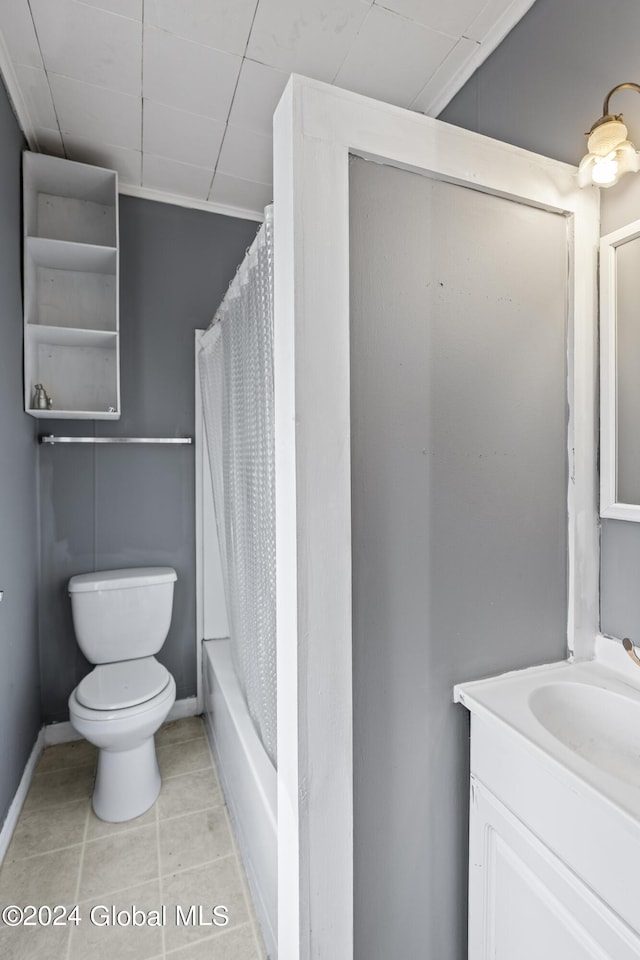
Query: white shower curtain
<point x="236" y="374"/>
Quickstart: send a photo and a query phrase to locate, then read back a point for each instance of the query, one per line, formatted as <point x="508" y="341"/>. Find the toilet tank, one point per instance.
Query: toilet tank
<point x="122" y="614"/>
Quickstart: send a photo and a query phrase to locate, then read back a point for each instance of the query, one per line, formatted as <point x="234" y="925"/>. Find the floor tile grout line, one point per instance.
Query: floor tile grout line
<point x="160" y="885"/>
<point x="78" y="881"/>
<point x="132" y="886"/>
<point x="63" y="803"/>
<point x="251" y="910"/>
<point x="51" y="807"/>
<point x="66" y="767"/>
<point x="189" y="813"/>
<point x="120" y="891"/>
<point x="184" y="773"/>
<point x="45" y="853"/>
<point x="76" y="766"/>
<point x="197" y="866"/>
<point x="211" y="936"/>
<point x="120" y="833"/>
<point x="117" y="833"/>
<point x="142" y="826"/>
<point x="199" y="736"/>
<point x="91" y="762"/>
<point x="180" y="743"/>
<point x="88" y="763"/>
<point x="29" y="809"/>
<point x="85" y="763"/>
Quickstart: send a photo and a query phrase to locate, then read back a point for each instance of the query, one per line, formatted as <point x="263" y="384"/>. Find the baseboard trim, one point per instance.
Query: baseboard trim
<point x="64" y="733"/>
<point x="17" y="803"/>
<point x="55" y="733"/>
<point x="188" y="707"/>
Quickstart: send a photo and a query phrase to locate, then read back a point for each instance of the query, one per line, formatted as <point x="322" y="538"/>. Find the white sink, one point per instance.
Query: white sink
<point x="601" y="726"/>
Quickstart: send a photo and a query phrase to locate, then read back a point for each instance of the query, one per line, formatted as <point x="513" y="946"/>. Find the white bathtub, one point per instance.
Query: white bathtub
<point x="248" y="780"/>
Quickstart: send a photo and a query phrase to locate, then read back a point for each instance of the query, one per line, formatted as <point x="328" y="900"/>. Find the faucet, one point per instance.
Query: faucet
<point x="627" y="644"/>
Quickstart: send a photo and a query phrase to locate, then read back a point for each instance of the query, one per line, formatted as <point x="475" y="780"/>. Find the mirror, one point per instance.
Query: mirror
<point x="620" y="373"/>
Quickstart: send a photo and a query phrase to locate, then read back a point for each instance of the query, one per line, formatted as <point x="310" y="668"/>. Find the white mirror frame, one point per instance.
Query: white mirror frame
<point x="609" y="505"/>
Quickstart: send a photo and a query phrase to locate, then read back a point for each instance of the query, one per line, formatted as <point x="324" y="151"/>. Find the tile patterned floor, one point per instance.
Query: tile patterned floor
<point x="181" y="852"/>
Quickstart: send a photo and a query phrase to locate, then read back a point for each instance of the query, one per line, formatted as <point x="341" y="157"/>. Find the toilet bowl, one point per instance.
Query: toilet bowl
<point x="121" y="618"/>
<point x="127" y="779"/>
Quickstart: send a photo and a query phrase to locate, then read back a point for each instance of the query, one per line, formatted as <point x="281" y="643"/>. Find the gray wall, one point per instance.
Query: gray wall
<point x="544" y="86"/>
<point x="112" y="506"/>
<point x="458" y="347"/>
<point x="19" y="675"/>
<point x="541" y="89"/>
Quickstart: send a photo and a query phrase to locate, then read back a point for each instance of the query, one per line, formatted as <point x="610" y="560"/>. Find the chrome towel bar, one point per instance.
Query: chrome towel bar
<point x="49" y="438"/>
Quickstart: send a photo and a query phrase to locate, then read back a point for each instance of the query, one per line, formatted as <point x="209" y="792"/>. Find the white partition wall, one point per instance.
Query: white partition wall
<point x="316" y="128"/>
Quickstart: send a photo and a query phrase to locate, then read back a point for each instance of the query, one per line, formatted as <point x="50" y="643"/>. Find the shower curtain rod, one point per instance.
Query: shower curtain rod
<point x="238" y="275"/>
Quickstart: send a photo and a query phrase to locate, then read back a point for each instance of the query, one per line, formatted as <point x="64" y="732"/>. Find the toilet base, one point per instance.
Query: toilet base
<point x="127" y="782"/>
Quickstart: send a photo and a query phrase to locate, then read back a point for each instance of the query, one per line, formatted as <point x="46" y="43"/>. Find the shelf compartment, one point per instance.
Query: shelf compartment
<point x="70" y="284"/>
<point x="66" y="200"/>
<point x="80" y="379"/>
<point x="68" y="255"/>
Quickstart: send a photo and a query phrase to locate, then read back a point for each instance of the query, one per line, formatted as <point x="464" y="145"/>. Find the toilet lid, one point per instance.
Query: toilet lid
<point x="114" y="686"/>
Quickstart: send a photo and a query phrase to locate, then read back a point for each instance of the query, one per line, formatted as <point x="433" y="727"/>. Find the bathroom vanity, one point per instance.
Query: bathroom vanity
<point x="554" y="842"/>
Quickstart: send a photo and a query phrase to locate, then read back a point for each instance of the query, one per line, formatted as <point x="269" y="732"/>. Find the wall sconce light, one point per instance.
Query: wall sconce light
<point x="610" y="154"/>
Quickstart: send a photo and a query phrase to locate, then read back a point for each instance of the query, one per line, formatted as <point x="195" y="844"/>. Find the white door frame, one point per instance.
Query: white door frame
<point x="316" y="127"/>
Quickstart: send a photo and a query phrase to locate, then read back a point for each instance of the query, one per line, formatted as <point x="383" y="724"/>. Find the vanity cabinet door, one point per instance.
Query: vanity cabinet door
<point x="525" y="903"/>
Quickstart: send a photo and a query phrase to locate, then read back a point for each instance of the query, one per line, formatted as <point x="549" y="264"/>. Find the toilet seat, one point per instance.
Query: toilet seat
<point x="122" y="685"/>
<point x="123" y="718"/>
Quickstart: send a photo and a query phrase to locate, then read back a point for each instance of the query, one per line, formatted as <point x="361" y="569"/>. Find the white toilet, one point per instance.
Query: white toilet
<point x="121" y="619"/>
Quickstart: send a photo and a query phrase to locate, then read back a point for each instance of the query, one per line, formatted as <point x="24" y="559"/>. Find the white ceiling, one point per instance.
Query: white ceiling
<point x="178" y="95"/>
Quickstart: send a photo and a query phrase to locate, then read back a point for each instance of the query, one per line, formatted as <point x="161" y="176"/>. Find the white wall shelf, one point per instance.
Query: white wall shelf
<point x="70" y="336"/>
<point x="70" y="255"/>
<point x="71" y="272"/>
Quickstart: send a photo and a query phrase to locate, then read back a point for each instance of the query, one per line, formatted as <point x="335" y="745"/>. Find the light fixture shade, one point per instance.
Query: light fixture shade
<point x="610" y="155"/>
<point x="606" y="135"/>
<point x="604" y="170"/>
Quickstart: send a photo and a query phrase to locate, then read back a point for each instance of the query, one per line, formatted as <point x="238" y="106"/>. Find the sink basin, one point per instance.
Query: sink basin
<point x="598" y="725"/>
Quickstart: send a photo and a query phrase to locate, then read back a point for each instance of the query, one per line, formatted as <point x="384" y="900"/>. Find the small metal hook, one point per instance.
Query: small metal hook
<point x="627" y="644"/>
